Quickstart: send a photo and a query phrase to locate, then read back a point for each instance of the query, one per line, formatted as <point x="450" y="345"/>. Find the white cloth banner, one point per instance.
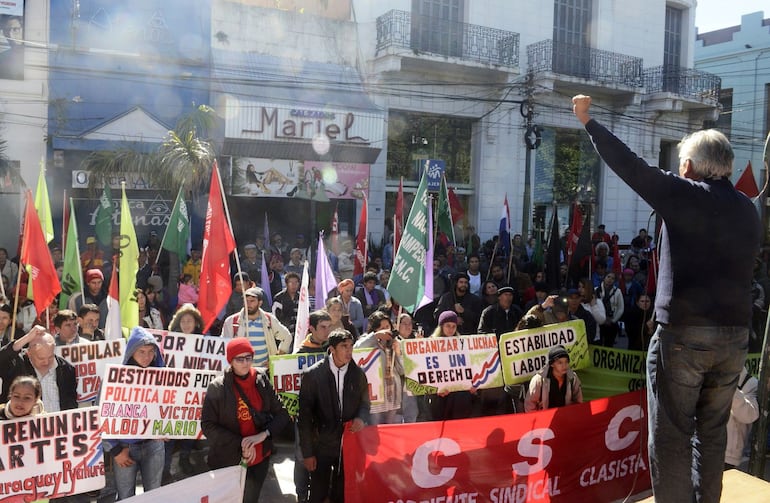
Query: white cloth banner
<point x="218" y="486"/>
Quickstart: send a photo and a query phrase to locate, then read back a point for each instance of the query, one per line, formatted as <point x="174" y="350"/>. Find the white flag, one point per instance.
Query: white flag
<point x="303" y="311"/>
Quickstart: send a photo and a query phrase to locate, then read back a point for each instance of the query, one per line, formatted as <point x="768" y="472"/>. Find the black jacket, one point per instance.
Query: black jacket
<point x="320" y="422"/>
<point x="13" y="365"/>
<point x="471" y="306"/>
<point x="495" y="319"/>
<point x="219" y="420"/>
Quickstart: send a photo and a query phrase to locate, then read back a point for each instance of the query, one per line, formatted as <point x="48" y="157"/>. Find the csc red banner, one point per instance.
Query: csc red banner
<point x="595" y="451"/>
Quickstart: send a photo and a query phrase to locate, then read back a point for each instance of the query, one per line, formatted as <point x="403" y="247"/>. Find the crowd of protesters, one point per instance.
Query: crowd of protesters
<point x="479" y="287"/>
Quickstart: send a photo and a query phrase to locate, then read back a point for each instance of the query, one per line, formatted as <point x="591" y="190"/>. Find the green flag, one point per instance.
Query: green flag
<point x="408" y="279"/>
<point x="43" y="205"/>
<point x="129" y="265"/>
<point x="104" y="217"/>
<point x="71" y="278"/>
<point x="178" y="230"/>
<point x="537" y="255"/>
<point x="444" y="212"/>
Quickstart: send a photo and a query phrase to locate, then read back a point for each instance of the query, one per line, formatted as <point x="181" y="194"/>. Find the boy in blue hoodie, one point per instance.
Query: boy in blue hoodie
<point x="132" y="455"/>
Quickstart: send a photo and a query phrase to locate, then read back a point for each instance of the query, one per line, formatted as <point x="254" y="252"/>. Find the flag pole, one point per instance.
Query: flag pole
<point x="63" y="223"/>
<point x="230" y="224"/>
<point x="492" y="260"/>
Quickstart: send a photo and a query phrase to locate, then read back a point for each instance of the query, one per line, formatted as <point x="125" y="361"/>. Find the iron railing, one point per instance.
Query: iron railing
<point x="584" y="62"/>
<point x="686" y="82"/>
<point x="429" y="35"/>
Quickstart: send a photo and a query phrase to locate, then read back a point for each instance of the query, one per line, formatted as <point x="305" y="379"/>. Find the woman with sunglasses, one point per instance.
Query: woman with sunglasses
<point x="241" y="413"/>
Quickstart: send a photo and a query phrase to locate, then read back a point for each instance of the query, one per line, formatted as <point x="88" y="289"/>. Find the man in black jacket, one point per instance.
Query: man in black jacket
<point x="334" y="392"/>
<point x="466" y="305"/>
<point x="56" y="375"/>
<point x="502" y="317"/>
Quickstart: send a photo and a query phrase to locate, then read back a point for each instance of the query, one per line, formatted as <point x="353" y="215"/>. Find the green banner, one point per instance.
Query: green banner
<point x="407" y="278"/>
<point x="615" y="371"/>
<point x="525" y="353"/>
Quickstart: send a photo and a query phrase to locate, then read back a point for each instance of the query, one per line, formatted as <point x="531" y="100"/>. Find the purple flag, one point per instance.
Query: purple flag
<point x="325" y="281"/>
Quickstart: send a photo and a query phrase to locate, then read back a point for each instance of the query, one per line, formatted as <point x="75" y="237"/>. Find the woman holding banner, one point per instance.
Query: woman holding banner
<point x="455" y="404"/>
<point x="241" y="413"/>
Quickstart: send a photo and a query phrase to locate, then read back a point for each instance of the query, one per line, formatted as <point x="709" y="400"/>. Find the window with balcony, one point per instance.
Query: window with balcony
<point x="437" y="27"/>
<point x="672" y="49"/>
<point x="571" y="38"/>
<point x="567" y="170"/>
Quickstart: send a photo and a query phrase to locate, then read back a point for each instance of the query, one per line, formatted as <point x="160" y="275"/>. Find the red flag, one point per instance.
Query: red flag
<point x="652" y="274"/>
<point x="336" y="232"/>
<point x="361" y="244"/>
<point x="574" y="232"/>
<point x="112" y="327"/>
<point x="398" y="220"/>
<point x="458" y="212"/>
<point x="35" y="256"/>
<point x="616" y="267"/>
<point x="218" y="243"/>
<point x="746" y="183"/>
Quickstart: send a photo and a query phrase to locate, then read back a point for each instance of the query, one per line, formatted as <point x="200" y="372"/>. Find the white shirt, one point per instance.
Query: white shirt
<point x="50" y="389"/>
<point x="339" y="379"/>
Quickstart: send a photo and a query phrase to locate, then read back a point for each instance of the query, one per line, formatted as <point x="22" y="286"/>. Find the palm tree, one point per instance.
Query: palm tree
<point x="183" y="160"/>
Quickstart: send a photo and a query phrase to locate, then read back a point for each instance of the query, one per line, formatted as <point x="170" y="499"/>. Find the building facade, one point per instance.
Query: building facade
<point x="740" y="55"/>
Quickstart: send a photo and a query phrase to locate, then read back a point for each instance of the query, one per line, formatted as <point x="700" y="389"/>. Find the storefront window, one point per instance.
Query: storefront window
<point x="412" y="137"/>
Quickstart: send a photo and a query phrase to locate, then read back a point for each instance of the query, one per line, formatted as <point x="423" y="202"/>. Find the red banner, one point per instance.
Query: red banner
<point x="595" y="451"/>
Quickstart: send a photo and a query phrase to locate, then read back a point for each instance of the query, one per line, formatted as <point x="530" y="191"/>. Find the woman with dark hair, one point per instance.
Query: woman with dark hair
<point x="454" y="404"/>
<point x="24" y="398"/>
<point x="488" y="294"/>
<point x="149" y="317"/>
<point x="187" y="320"/>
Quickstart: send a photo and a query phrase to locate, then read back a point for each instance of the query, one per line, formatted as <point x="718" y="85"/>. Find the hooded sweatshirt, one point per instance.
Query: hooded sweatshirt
<point x="139" y="337"/>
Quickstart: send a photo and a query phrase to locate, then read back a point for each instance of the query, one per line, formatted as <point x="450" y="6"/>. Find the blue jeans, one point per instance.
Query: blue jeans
<point x="148" y="458"/>
<point x="692" y="373"/>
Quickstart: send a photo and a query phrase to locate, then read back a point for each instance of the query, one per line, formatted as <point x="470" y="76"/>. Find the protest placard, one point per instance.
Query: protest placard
<point x="89" y="360"/>
<point x="451" y="363"/>
<point x="216" y="486"/>
<point x="525" y="352"/>
<point x="286" y="374"/>
<point x="152" y="402"/>
<point x="192" y="351"/>
<point x="51" y="455"/>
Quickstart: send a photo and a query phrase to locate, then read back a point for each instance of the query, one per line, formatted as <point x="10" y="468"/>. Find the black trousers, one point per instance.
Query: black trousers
<point x="327" y="480"/>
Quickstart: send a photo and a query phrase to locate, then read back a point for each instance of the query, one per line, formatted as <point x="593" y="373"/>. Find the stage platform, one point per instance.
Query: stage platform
<point x="738" y="487"/>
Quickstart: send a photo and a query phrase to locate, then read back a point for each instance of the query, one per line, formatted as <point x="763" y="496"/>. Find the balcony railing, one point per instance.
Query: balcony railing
<point x="429" y="35"/>
<point x="685" y="82"/>
<point x="584" y="62"/>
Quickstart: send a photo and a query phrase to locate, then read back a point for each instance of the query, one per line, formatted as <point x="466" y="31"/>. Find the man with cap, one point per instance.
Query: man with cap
<point x="266" y="334"/>
<point x="466" y="305"/>
<point x="296" y="261"/>
<point x="251" y="263"/>
<point x="92" y="257"/>
<point x="502" y="317"/>
<point x="499" y="319"/>
<point x="334" y="396"/>
<point x="94" y="293"/>
<point x="555" y="385"/>
<point x="241" y="414"/>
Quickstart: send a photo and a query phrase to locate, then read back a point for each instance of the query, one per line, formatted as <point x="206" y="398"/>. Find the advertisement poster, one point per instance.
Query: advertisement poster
<point x="12" y="39"/>
<point x="316" y="181"/>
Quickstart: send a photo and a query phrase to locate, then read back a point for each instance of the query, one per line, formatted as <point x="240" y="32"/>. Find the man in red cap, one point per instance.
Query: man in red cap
<point x="93" y="294"/>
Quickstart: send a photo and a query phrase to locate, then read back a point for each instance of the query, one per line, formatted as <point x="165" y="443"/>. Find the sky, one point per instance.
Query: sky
<point x="713" y="15"/>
